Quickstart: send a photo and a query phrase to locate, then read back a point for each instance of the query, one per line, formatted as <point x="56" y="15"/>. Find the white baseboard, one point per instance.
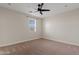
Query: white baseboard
<point x="12" y="43"/>
<point x="66" y="42"/>
<point x="38" y="38"/>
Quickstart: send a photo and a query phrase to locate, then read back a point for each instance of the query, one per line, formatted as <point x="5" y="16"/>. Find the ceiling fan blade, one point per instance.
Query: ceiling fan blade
<point x="41" y="13"/>
<point x="45" y="10"/>
<point x="40" y="5"/>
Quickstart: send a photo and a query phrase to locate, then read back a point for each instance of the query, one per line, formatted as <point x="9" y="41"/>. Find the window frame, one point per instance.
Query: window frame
<point x="32" y="26"/>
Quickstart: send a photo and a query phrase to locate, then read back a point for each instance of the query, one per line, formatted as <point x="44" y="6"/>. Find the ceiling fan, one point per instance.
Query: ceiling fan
<point x="40" y="8"/>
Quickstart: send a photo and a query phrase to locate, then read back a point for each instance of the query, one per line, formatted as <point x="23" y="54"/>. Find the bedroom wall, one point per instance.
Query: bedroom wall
<point x="14" y="27"/>
<point x="62" y="27"/>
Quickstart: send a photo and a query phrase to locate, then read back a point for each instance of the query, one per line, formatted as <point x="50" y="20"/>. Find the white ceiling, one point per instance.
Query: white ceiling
<point x="54" y="7"/>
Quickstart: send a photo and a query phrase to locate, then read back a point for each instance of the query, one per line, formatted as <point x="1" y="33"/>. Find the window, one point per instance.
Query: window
<point x="32" y="24"/>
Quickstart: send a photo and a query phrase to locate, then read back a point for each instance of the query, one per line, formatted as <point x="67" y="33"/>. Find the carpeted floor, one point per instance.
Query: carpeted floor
<point x="40" y="47"/>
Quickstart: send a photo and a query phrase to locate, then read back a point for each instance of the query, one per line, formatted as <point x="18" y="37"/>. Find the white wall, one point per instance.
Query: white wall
<point x="13" y="29"/>
<point x="63" y="27"/>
